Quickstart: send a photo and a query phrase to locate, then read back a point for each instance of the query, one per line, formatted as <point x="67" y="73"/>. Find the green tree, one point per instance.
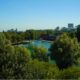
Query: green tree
<point x="7" y="35"/>
<point x="2" y="41"/>
<point x="21" y="59"/>
<point x="13" y="60"/>
<point x="41" y="70"/>
<point x="65" y="51"/>
<point x="78" y="33"/>
<point x="40" y="53"/>
<point x="6" y="52"/>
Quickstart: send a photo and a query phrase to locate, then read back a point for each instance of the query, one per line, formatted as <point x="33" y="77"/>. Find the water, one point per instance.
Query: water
<point x="38" y="43"/>
<point x="44" y="44"/>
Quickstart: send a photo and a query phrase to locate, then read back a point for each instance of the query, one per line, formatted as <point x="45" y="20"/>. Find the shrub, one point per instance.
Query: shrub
<point x="41" y="70"/>
<point x="69" y="73"/>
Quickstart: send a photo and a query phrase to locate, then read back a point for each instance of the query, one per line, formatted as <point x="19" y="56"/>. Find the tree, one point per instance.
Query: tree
<point x="78" y="33"/>
<point x="6" y="52"/>
<point x="40" y="53"/>
<point x="21" y="58"/>
<point x="7" y="35"/>
<point x="65" y="51"/>
<point x="2" y="41"/>
<point x="13" y="60"/>
<point x="41" y="70"/>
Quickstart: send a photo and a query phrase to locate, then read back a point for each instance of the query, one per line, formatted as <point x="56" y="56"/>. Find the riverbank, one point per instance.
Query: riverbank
<point x="29" y="41"/>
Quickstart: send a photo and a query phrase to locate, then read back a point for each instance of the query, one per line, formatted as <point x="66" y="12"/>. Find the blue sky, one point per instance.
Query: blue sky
<point x="38" y="14"/>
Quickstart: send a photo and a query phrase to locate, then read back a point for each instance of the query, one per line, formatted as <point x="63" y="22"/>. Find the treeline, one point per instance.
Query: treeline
<point x="18" y="36"/>
<point x="33" y="62"/>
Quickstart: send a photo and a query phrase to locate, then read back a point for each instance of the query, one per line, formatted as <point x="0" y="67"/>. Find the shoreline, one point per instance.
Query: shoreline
<point x="29" y="41"/>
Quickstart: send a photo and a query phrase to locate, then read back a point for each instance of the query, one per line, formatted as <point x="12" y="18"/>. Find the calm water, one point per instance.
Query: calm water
<point x="45" y="44"/>
<point x="38" y="43"/>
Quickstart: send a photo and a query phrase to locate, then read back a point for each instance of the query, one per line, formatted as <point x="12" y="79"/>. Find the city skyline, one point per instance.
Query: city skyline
<point x="38" y="14"/>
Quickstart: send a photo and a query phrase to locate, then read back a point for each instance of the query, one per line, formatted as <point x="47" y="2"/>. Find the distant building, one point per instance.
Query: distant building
<point x="70" y="26"/>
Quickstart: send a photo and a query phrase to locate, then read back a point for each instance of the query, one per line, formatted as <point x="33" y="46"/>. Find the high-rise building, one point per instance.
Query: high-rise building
<point x="70" y="25"/>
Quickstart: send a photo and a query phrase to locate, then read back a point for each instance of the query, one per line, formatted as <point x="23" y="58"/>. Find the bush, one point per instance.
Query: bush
<point x="39" y="53"/>
<point x="41" y="70"/>
<point x="13" y="62"/>
<point x="69" y="73"/>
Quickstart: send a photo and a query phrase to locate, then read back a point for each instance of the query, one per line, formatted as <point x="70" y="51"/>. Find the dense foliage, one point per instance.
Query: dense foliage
<point x="78" y="33"/>
<point x="65" y="51"/>
<point x="33" y="62"/>
<point x="39" y="53"/>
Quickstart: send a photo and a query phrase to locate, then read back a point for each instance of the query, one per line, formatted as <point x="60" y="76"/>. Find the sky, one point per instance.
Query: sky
<point x="38" y="14"/>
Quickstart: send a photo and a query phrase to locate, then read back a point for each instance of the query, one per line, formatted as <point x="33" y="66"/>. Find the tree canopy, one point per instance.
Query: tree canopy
<point x="65" y="51"/>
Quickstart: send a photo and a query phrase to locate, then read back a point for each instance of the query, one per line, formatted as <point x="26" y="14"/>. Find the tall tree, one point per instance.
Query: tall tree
<point x="78" y="33"/>
<point x="65" y="51"/>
